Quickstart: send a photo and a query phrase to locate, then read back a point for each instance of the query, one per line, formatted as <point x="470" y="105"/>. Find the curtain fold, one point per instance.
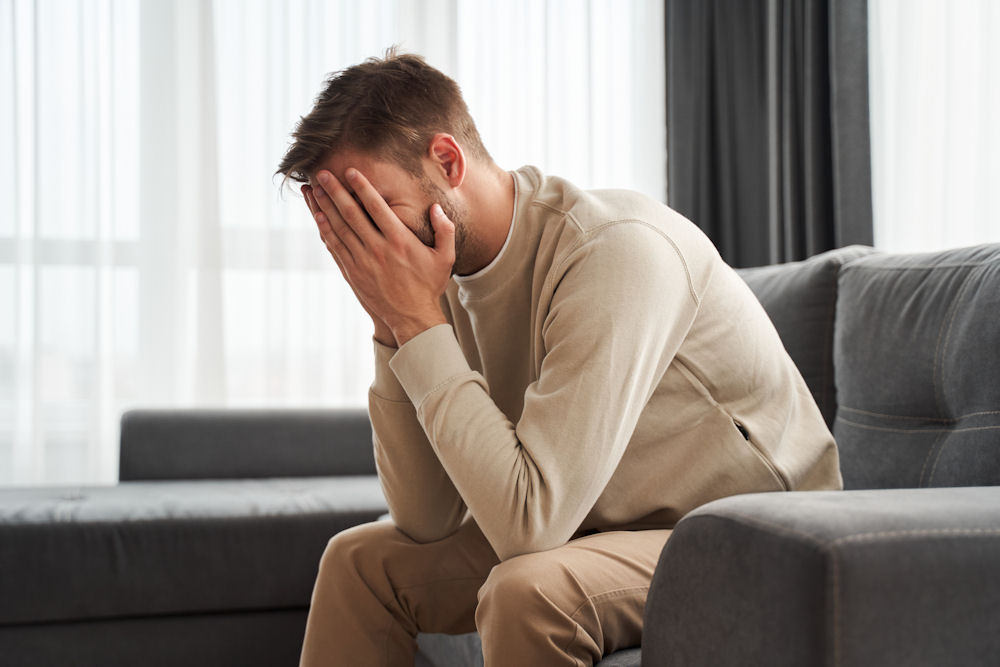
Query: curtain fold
<point x="767" y="124"/>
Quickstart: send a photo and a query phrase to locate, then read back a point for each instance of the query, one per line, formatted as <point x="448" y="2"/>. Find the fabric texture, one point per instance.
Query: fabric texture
<point x="918" y="375"/>
<point x="227" y="443"/>
<point x="801" y="300"/>
<point x="260" y="638"/>
<point x="767" y="120"/>
<point x="883" y="577"/>
<point x="602" y="297"/>
<point x="152" y="548"/>
<point x="566" y="606"/>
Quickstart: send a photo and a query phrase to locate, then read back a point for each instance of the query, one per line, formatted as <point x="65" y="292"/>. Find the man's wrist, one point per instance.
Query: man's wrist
<point x="410" y="328"/>
<point x="384" y="336"/>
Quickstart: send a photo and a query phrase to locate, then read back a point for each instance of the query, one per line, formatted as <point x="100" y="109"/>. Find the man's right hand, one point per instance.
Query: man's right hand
<point x="383" y="334"/>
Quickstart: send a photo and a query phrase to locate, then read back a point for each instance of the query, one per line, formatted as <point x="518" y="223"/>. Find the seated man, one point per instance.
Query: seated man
<point x="560" y="376"/>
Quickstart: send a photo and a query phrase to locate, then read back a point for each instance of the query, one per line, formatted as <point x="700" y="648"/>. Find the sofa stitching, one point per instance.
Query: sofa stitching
<point x="830" y="545"/>
<point x="917" y="430"/>
<point x="928" y="419"/>
<point x="916" y="532"/>
<point x="928" y="267"/>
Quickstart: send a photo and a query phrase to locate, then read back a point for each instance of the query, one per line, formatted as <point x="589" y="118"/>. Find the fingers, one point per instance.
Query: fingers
<point x="350" y="212"/>
<point x="307" y="194"/>
<point x="333" y="241"/>
<point x="383" y="216"/>
<point x="444" y="233"/>
<point x="334" y="229"/>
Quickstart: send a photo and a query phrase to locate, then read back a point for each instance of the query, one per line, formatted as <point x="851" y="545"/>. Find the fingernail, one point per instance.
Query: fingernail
<point x="352" y="174"/>
<point x="322" y="177"/>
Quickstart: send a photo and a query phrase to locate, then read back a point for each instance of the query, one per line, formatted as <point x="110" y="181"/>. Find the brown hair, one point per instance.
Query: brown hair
<point x="389" y="107"/>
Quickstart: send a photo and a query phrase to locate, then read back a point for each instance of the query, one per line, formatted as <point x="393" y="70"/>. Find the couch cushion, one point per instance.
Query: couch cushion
<point x="438" y="650"/>
<point x="801" y="300"/>
<point x="151" y="548"/>
<point x="215" y="639"/>
<point x="917" y="358"/>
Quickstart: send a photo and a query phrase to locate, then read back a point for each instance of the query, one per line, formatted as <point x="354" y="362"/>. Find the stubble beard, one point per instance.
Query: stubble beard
<point x="457" y="214"/>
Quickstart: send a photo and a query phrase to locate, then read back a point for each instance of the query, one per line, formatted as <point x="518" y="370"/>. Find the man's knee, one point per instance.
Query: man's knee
<point x="355" y="548"/>
<point x="527" y="582"/>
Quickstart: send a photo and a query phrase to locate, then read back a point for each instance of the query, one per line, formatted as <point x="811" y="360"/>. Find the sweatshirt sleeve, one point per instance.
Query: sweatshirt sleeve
<point x="422" y="500"/>
<point x="623" y="303"/>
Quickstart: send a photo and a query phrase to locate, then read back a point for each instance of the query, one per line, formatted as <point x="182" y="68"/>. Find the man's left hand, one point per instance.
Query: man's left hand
<point x="397" y="276"/>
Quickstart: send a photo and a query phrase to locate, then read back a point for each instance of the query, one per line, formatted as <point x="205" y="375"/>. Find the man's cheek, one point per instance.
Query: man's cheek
<point x="423" y="230"/>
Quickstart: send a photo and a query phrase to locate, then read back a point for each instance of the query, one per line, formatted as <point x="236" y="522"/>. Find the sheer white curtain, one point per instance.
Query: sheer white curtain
<point x="146" y="255"/>
<point x="935" y="122"/>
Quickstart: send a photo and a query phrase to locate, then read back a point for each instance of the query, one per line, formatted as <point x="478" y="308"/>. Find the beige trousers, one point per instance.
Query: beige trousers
<point x="376" y="589"/>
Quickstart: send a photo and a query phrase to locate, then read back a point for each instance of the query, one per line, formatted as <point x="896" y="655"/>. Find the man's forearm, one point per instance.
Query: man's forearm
<point x="422" y="499"/>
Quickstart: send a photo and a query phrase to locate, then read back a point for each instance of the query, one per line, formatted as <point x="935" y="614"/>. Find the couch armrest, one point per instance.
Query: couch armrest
<point x="236" y="443"/>
<point x="881" y="577"/>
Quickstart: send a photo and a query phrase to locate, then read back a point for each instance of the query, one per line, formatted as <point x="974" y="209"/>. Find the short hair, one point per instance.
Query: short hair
<point x="388" y="107"/>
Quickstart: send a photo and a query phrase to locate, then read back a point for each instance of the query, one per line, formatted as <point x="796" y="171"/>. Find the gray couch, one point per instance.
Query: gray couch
<point x="205" y="553"/>
<point x="903" y="567"/>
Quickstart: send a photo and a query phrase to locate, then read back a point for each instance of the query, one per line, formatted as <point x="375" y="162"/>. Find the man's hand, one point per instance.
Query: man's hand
<point x="383" y="333"/>
<point x="397" y="278"/>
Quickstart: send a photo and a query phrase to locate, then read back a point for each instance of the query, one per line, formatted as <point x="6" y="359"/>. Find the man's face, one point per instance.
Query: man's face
<point x="410" y="197"/>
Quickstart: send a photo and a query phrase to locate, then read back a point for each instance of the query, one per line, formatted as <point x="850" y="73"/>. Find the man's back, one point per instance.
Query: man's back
<point x="640" y="374"/>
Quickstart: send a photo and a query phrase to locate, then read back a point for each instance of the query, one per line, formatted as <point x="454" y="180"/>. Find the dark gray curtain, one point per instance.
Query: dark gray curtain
<point x="767" y="124"/>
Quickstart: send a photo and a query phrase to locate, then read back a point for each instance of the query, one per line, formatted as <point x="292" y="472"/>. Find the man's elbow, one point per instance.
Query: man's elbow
<point x="529" y="543"/>
<point x="424" y="532"/>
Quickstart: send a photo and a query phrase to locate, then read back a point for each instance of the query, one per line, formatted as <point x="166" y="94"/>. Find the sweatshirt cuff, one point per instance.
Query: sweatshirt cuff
<point x="386" y="385"/>
<point x="427" y="361"/>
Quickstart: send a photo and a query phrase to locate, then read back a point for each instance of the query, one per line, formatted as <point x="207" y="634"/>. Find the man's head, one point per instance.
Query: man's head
<point x="404" y="124"/>
<point x="389" y="108"/>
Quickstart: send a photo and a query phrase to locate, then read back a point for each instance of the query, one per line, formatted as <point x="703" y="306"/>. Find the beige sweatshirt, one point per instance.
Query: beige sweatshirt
<point x="599" y="374"/>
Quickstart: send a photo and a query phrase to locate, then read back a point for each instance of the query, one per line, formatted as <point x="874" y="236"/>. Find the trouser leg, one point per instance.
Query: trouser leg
<point x="376" y="589"/>
<point x="570" y="605"/>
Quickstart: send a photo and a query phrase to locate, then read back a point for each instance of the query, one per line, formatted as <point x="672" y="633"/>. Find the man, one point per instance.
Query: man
<point x="560" y="376"/>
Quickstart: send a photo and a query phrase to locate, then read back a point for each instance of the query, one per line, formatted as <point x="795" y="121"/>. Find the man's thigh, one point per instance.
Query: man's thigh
<point x="431" y="585"/>
<point x="590" y="591"/>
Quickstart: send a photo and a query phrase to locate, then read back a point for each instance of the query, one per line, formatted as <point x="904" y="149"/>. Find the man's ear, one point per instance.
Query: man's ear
<point x="447" y="158"/>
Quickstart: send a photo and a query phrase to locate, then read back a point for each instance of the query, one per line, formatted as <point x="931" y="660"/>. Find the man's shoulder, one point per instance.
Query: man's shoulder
<point x="589" y="214"/>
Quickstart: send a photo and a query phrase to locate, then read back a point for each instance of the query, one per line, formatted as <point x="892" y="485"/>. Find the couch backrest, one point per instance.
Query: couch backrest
<point x="241" y="443"/>
<point x="917" y="363"/>
<point x="801" y="300"/>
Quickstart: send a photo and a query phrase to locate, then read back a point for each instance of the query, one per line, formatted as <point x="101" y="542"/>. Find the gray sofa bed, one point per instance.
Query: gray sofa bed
<point x="205" y="552"/>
